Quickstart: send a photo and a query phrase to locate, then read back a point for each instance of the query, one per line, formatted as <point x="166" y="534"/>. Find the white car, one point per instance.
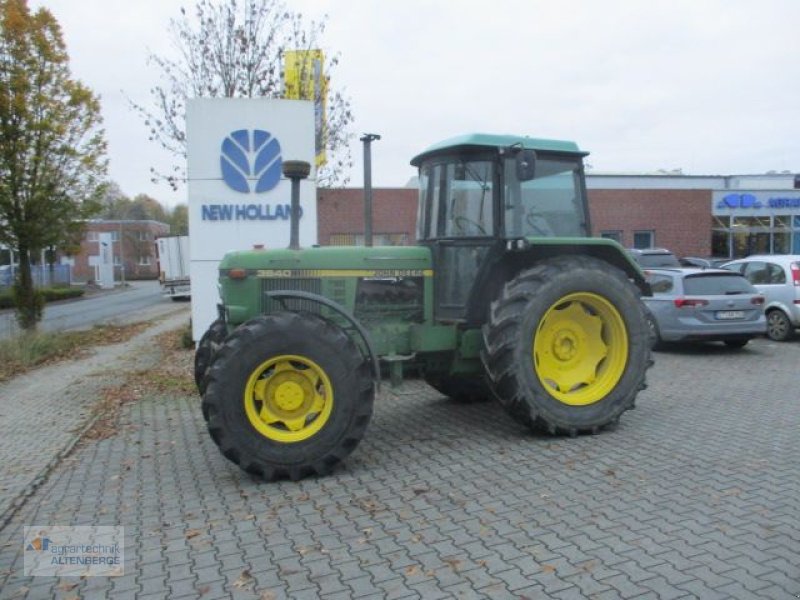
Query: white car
<point x="777" y="276"/>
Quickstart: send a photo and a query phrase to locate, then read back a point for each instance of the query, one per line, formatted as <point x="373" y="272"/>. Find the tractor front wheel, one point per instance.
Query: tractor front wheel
<point x="567" y="345"/>
<point x="289" y="395"/>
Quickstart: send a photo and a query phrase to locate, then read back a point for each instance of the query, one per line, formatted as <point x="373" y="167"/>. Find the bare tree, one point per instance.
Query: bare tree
<point x="236" y="48"/>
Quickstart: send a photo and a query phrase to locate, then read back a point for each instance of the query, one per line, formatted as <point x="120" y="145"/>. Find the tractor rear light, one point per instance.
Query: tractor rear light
<point x="693" y="302"/>
<point x="757" y="300"/>
<point x="237" y="274"/>
<point x="795" y="268"/>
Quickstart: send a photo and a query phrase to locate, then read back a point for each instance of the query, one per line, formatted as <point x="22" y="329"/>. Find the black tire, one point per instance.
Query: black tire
<point x="531" y="303"/>
<point x="206" y="351"/>
<point x="294" y="341"/>
<point x="465" y="389"/>
<point x="779" y="327"/>
<point x="740" y="343"/>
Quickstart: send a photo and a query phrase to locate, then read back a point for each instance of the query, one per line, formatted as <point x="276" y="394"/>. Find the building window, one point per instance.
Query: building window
<point x="144" y="236"/>
<point x="643" y="239"/>
<point x="91" y="236"/>
<point x="115" y="236"/>
<point x="117" y="261"/>
<point x="615" y="235"/>
<point x="144" y="261"/>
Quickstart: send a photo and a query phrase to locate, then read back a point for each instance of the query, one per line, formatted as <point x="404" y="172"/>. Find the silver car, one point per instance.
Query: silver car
<point x="777" y="276"/>
<point x="703" y="305"/>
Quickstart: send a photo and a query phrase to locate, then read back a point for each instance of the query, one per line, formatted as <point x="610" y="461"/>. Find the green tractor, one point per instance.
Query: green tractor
<point x="504" y="296"/>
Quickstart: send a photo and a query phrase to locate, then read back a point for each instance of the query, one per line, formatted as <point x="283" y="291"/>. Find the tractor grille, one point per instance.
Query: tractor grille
<point x="296" y="284"/>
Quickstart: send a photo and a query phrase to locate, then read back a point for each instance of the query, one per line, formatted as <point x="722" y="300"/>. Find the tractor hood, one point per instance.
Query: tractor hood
<point x="350" y="259"/>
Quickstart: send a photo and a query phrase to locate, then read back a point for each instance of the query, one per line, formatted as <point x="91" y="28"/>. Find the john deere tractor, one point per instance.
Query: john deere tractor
<point x="505" y="296"/>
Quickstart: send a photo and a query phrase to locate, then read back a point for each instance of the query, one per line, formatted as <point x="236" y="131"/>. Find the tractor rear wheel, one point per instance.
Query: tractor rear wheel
<point x="288" y="395"/>
<point x="567" y="346"/>
<point x="465" y="389"/>
<point x="206" y="350"/>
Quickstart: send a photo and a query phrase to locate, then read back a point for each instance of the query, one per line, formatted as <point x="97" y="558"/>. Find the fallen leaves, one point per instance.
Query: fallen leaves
<point x="244" y="581"/>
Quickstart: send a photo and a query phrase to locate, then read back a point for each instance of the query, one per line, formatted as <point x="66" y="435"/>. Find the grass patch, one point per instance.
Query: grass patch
<point x="31" y="350"/>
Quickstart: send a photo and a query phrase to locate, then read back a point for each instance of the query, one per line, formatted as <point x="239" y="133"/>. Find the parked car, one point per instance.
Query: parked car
<point x="777" y="276"/>
<point x="703" y="263"/>
<point x="654" y="257"/>
<point x="694" y="261"/>
<point x="693" y="304"/>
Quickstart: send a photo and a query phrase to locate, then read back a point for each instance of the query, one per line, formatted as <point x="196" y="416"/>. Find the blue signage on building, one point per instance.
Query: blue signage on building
<point x="784" y="202"/>
<point x="739" y="201"/>
<point x="756" y="200"/>
<point x="251" y="161"/>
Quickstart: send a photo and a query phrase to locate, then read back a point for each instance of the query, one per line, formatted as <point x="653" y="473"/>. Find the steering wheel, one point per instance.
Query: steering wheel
<point x="464" y="224"/>
<point x="538" y="225"/>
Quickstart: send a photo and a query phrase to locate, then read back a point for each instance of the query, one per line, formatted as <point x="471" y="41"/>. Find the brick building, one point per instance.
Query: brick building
<point x="722" y="216"/>
<point x="646" y="211"/>
<point x="340" y="216"/>
<point x="135" y="258"/>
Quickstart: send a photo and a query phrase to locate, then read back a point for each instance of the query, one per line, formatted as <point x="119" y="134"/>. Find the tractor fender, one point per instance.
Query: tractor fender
<point x="371" y="356"/>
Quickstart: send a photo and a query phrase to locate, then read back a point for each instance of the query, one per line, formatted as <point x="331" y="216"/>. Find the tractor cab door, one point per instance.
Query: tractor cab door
<point x="458" y="222"/>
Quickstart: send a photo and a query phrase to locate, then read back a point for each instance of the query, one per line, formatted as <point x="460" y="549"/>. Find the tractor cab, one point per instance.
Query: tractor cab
<point x="481" y="195"/>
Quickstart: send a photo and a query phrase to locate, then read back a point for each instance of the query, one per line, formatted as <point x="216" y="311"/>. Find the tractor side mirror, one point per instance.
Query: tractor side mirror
<point x="526" y="165"/>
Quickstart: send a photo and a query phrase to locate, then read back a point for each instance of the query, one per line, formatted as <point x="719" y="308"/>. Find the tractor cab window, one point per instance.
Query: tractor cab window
<point x="456" y="199"/>
<point x="551" y="204"/>
<point x="469" y="209"/>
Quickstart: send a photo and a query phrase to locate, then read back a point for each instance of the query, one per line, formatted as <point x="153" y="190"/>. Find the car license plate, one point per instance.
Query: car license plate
<point x="730" y="314"/>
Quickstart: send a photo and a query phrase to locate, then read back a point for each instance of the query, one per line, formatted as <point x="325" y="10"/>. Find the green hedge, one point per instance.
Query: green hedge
<point x="50" y="295"/>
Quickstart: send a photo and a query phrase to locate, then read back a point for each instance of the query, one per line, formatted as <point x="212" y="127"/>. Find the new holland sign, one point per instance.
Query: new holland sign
<point x="238" y="197"/>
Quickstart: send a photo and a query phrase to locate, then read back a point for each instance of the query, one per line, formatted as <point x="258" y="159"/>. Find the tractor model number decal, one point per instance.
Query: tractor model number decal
<point x="307" y="273"/>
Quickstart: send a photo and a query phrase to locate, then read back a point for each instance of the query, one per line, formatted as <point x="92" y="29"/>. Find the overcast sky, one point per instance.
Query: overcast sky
<point x="710" y="87"/>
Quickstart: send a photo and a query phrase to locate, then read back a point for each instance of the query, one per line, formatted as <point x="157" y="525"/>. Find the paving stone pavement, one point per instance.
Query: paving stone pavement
<point x="696" y="494"/>
<point x="47" y="408"/>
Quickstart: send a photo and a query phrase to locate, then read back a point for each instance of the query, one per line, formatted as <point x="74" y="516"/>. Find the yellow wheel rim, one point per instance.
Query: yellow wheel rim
<point x="580" y="349"/>
<point x="288" y="398"/>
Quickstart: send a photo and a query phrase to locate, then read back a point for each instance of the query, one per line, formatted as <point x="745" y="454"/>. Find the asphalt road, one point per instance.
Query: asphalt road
<point x="101" y="307"/>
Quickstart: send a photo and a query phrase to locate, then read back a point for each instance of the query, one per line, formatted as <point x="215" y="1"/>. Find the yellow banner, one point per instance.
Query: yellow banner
<point x="304" y="79"/>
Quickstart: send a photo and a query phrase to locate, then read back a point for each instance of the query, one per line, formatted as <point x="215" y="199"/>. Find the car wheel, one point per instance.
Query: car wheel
<point x="779" y="327"/>
<point x="652" y="327"/>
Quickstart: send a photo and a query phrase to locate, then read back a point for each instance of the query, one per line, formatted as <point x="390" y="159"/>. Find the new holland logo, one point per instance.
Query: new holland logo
<point x="251" y="161"/>
<point x="739" y="201"/>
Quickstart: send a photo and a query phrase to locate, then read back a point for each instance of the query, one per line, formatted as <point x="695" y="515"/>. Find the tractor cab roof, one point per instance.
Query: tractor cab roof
<point x="478" y="141"/>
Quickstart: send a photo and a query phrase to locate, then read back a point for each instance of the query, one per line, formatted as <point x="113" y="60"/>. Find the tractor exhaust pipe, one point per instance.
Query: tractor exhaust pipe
<point x="368" y="138"/>
<point x="295" y="170"/>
